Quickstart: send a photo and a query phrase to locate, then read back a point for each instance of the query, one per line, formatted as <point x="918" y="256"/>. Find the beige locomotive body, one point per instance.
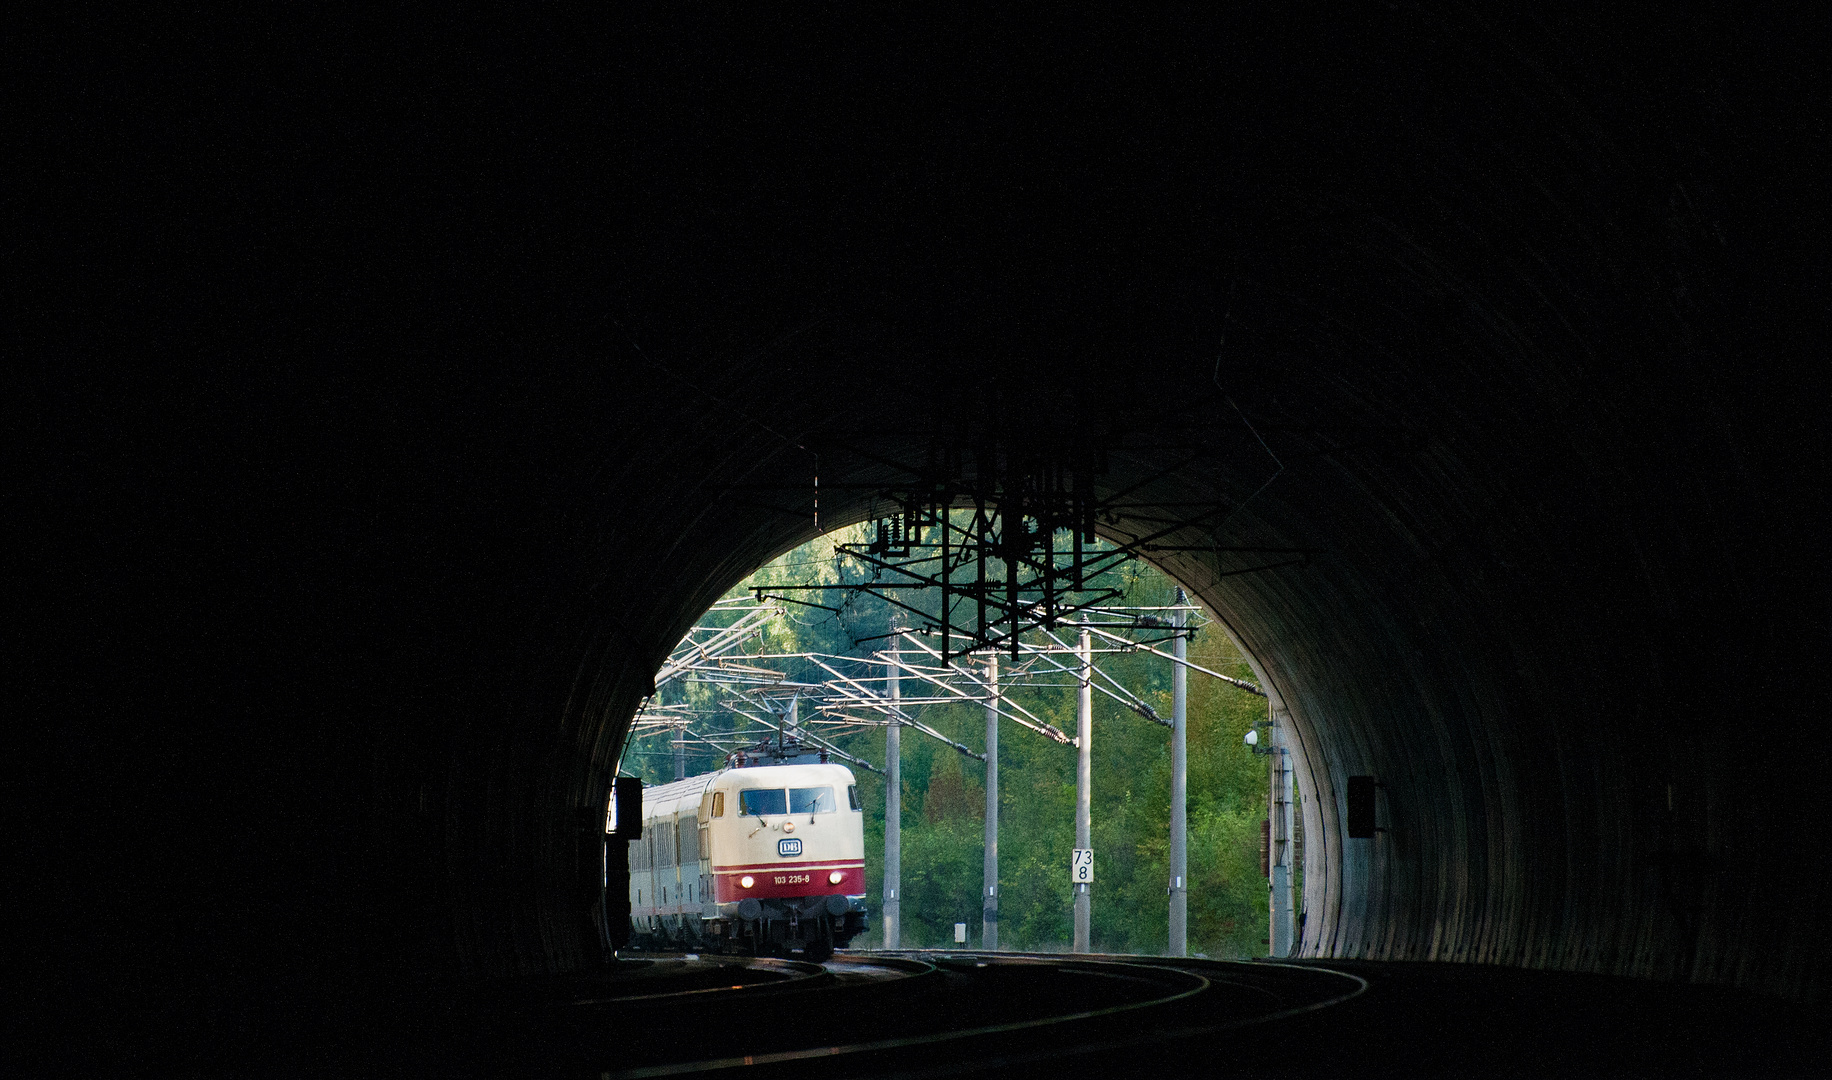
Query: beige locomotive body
<point x="762" y="858"/>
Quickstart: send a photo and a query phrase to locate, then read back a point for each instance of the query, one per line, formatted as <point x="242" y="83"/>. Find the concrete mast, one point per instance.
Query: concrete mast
<point x="893" y="810"/>
<point x="989" y="915"/>
<point x="1284" y="923"/>
<point x="1084" y="780"/>
<point x="1179" y="788"/>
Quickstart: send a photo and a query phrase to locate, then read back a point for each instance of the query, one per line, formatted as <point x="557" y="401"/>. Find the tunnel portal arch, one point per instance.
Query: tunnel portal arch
<point x="1422" y="646"/>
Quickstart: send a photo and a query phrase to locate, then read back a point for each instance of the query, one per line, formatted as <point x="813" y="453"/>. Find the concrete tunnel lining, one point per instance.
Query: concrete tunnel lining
<point x="1509" y="524"/>
<point x="1400" y="653"/>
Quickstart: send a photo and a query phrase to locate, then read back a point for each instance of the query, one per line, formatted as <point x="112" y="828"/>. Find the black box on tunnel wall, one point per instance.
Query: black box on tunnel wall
<point x="626" y="808"/>
<point x="1361" y="807"/>
<point x="622" y="823"/>
<point x="616" y="896"/>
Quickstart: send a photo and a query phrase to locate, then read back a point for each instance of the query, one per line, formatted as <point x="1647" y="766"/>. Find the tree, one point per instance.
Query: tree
<point x="944" y="794"/>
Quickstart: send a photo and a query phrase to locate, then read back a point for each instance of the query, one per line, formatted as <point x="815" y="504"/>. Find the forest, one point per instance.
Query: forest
<point x="944" y="791"/>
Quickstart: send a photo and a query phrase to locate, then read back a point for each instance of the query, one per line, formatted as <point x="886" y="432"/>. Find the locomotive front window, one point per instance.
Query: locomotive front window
<point x="811" y="800"/>
<point x="761" y="801"/>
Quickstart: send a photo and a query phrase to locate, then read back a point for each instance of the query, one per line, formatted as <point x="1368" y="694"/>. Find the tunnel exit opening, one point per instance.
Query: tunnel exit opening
<point x="813" y="662"/>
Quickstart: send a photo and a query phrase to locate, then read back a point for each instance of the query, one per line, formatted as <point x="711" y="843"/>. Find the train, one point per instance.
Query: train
<point x="765" y="856"/>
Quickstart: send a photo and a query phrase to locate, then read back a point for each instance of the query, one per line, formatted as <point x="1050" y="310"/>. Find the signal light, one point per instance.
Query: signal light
<point x="835" y="878"/>
<point x="746" y="881"/>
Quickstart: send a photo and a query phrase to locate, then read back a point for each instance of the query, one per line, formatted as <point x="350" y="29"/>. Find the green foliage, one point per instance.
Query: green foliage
<point x="944" y="793"/>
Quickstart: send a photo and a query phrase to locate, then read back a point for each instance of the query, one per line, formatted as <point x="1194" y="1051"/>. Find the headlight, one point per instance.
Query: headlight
<point x="835" y="878"/>
<point x="788" y="826"/>
<point x="746" y="881"/>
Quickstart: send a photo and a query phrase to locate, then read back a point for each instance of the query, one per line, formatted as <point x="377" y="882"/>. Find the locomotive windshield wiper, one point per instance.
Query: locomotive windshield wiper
<point x="761" y="825"/>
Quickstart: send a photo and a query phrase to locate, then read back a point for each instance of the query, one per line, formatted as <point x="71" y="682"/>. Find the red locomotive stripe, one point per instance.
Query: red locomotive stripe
<point x="819" y="864"/>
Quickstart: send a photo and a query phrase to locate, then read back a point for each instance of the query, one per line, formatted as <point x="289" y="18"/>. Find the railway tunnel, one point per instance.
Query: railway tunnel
<point x="1504" y="328"/>
<point x="1451" y="614"/>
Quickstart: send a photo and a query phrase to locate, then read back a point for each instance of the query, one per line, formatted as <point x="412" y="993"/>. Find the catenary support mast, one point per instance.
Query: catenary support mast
<point x="1084" y="779"/>
<point x="1283" y="920"/>
<point x="893" y="810"/>
<point x="989" y="915"/>
<point x="1179" y="788"/>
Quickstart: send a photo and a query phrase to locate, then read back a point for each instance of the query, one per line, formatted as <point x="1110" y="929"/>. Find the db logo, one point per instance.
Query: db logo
<point x="789" y="846"/>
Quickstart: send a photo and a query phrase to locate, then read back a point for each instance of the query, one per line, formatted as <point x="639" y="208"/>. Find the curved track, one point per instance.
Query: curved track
<point x="918" y="1013"/>
<point x="922" y="1014"/>
<point x="677" y="979"/>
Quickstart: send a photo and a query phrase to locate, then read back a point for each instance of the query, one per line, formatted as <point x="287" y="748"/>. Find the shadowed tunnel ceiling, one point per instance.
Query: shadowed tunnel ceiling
<point x="1518" y="309"/>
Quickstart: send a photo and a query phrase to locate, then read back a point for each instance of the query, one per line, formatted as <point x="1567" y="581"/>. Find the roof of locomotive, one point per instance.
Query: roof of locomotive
<point x="764" y="775"/>
<point x="669" y="797"/>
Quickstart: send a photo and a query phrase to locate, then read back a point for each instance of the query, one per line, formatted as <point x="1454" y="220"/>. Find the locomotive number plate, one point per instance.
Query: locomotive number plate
<point x="794" y="879"/>
<point x="789" y="845"/>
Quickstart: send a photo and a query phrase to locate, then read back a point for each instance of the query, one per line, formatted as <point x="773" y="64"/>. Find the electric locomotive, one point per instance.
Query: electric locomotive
<point x="765" y="856"/>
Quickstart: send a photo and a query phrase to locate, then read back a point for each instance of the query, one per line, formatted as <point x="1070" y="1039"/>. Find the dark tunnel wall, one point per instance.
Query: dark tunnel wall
<point x="348" y="598"/>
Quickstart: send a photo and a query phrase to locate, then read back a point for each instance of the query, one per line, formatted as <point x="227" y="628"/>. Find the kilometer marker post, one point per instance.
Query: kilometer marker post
<point x="1084" y="780"/>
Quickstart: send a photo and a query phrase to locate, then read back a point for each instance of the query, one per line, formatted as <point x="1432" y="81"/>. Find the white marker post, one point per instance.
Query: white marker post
<point x="1084" y="783"/>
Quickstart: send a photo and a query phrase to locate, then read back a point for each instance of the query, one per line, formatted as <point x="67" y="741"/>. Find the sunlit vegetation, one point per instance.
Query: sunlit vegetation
<point x="944" y="792"/>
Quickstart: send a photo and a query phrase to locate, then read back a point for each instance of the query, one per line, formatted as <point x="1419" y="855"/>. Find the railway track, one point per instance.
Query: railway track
<point x="926" y="1014"/>
<point x="916" y="1013"/>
